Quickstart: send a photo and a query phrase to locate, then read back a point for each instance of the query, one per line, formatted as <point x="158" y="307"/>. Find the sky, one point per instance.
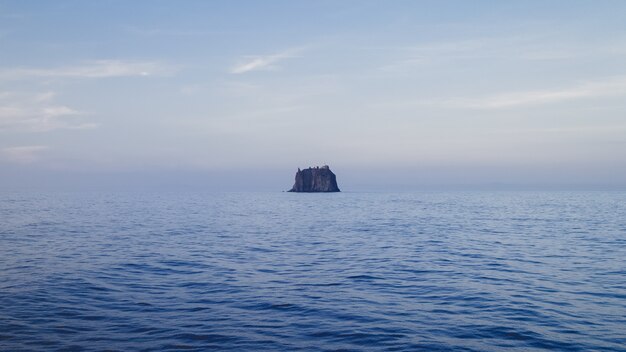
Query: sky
<point x="236" y="95"/>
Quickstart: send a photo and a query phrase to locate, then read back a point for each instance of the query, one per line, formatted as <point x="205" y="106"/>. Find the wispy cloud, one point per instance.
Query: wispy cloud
<point x="23" y="154"/>
<point x="264" y="62"/>
<point x="151" y="32"/>
<point x="538" y="47"/>
<point x="610" y="87"/>
<point x="410" y="56"/>
<point x="92" y="69"/>
<point x="38" y="113"/>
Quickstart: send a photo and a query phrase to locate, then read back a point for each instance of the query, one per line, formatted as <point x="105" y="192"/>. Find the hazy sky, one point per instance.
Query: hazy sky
<point x="226" y="93"/>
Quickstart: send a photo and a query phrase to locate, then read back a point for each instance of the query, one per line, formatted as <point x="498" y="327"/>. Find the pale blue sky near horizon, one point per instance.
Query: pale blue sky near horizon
<point x="222" y="94"/>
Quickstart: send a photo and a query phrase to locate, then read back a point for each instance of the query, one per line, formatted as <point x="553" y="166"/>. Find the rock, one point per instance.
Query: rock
<point x="317" y="179"/>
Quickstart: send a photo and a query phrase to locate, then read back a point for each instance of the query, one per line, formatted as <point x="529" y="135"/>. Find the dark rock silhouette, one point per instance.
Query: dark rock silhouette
<point x="318" y="179"/>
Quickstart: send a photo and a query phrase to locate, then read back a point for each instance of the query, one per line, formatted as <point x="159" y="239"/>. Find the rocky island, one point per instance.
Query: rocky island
<point x="315" y="179"/>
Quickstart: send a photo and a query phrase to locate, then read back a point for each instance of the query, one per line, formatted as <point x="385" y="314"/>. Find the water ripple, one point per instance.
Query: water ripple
<point x="473" y="271"/>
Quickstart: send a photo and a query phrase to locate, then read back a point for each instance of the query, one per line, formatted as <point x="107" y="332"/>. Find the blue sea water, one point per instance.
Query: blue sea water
<point x="424" y="271"/>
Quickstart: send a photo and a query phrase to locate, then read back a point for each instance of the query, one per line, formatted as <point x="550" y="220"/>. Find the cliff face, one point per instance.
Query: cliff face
<point x="318" y="179"/>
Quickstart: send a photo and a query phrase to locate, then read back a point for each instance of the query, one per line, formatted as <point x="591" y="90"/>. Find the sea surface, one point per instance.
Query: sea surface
<point x="423" y="271"/>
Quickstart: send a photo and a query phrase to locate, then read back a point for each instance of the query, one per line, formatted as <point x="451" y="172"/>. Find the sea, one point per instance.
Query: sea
<point x="351" y="271"/>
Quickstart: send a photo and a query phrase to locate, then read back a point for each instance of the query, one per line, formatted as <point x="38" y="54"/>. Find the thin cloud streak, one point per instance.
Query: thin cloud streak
<point x="23" y="154"/>
<point x="92" y="69"/>
<point x="38" y="113"/>
<point x="524" y="48"/>
<point x="266" y="62"/>
<point x="152" y="32"/>
<point x="611" y="87"/>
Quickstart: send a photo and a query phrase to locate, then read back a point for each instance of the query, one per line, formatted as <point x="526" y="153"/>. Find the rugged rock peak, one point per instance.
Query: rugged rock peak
<point x="315" y="179"/>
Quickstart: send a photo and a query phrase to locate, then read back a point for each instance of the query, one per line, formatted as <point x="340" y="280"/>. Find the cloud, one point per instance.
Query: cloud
<point x="610" y="87"/>
<point x="38" y="113"/>
<point x="92" y="69"/>
<point x="266" y="62"/>
<point x="23" y="154"/>
<point x="150" y="32"/>
<point x="480" y="48"/>
<point x="526" y="48"/>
